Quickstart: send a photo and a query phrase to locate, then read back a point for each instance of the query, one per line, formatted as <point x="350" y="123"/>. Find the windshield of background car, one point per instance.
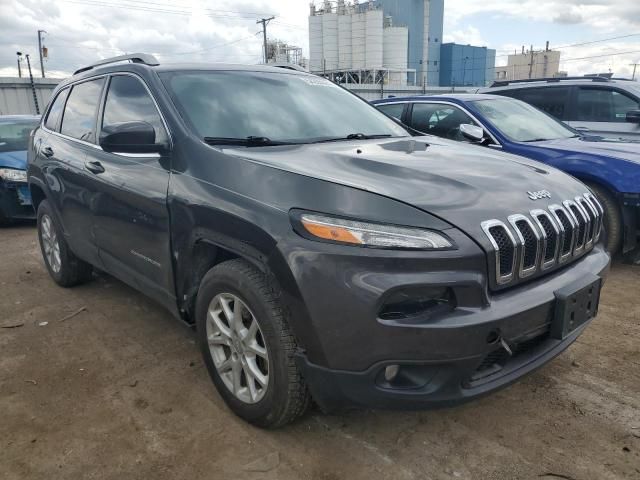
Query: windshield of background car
<point x="521" y="122"/>
<point x="14" y="136"/>
<point x="280" y="106"/>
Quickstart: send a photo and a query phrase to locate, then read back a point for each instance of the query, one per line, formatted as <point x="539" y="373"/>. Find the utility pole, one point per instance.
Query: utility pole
<point x="40" y="32"/>
<point x="33" y="86"/>
<point x="634" y="65"/>
<point x="264" y="22"/>
<point x="531" y="64"/>
<point x="19" y="55"/>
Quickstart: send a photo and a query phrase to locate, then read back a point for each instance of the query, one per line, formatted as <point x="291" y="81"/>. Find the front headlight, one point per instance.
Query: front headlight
<point x="366" y="234"/>
<point x="12" y="175"/>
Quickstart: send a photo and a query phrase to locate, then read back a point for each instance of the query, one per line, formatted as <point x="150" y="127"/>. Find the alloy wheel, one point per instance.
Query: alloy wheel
<point x="50" y="243"/>
<point x="238" y="348"/>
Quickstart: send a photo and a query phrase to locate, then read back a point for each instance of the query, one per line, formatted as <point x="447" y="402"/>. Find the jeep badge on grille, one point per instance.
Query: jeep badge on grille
<point x="539" y="194"/>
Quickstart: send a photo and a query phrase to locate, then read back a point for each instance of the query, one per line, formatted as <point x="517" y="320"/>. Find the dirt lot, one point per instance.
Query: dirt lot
<point x="119" y="392"/>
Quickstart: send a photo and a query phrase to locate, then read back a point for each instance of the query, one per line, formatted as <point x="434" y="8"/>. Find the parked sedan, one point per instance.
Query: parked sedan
<point x="610" y="167"/>
<point x="15" y="199"/>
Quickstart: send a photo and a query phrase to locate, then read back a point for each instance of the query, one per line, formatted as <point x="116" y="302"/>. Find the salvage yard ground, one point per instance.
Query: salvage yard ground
<point x="118" y="391"/>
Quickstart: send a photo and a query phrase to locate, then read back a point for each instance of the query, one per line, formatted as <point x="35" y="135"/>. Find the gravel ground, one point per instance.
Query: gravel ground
<point x="119" y="391"/>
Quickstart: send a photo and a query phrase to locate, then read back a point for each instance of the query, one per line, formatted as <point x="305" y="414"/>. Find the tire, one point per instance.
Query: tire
<point x="238" y="284"/>
<point x="65" y="268"/>
<point x="612" y="218"/>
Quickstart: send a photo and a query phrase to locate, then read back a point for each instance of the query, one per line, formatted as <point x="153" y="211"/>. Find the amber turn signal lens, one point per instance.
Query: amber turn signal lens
<point x="333" y="233"/>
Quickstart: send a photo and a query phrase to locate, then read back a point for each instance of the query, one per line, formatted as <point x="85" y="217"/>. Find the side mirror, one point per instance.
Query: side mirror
<point x="472" y="132"/>
<point x="633" y="116"/>
<point x="130" y="137"/>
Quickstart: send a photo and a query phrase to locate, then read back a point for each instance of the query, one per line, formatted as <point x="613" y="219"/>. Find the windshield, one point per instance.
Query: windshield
<point x="14" y="135"/>
<point x="521" y="122"/>
<point x="280" y="107"/>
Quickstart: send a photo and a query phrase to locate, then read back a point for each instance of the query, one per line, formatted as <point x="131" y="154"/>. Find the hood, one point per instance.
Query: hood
<point x="459" y="183"/>
<point x="600" y="146"/>
<point x="17" y="159"/>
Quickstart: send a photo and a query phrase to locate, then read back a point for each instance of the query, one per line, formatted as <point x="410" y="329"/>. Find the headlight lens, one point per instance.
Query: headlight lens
<point x="372" y="234"/>
<point x="12" y="175"/>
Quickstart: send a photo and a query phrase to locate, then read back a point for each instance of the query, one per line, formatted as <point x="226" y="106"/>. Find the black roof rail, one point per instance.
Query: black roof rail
<point x="143" y="58"/>
<point x="504" y="83"/>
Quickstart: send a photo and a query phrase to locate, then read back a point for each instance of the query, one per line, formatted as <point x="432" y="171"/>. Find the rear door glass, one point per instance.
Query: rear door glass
<point x="56" y="110"/>
<point x="79" y="119"/>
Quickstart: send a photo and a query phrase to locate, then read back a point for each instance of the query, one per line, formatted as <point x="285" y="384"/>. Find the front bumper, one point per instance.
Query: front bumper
<point x="15" y="201"/>
<point x="444" y="360"/>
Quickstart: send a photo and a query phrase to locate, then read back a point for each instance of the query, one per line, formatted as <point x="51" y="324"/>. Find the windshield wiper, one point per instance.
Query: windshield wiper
<point x="353" y="136"/>
<point x="251" y="141"/>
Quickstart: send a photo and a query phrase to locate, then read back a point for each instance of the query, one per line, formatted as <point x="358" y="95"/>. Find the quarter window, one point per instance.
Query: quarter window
<point x="441" y="120"/>
<point x="601" y="105"/>
<point x="56" y="110"/>
<point x="129" y="101"/>
<point x="79" y="117"/>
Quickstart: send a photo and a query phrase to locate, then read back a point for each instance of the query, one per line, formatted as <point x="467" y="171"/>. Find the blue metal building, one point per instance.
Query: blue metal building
<point x="465" y="65"/>
<point x="425" y="19"/>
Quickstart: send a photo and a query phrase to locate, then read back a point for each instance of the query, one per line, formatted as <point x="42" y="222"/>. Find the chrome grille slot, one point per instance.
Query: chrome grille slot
<point x="550" y="237"/>
<point x="543" y="239"/>
<point x="581" y="225"/>
<point x="504" y="247"/>
<point x="529" y="244"/>
<point x="592" y="218"/>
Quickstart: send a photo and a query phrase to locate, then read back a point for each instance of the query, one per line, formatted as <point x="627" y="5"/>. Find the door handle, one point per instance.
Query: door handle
<point x="94" y="167"/>
<point x="47" y="152"/>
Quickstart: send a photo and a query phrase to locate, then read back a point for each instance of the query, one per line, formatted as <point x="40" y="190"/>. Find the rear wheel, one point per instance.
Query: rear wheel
<point x="64" y="267"/>
<point x="247" y="345"/>
<point x="612" y="218"/>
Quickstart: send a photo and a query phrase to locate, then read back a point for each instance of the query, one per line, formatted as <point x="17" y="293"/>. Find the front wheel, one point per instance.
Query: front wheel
<point x="247" y="345"/>
<point x="612" y="218"/>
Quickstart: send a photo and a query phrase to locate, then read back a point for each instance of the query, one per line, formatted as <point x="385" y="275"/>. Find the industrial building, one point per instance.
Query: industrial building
<point x="466" y="65"/>
<point x="392" y="42"/>
<point x="530" y="64"/>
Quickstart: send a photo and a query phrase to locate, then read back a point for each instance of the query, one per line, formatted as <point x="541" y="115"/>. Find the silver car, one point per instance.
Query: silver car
<point x="593" y="105"/>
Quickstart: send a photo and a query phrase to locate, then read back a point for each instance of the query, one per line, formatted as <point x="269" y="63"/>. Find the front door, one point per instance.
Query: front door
<point x="130" y="210"/>
<point x="603" y="111"/>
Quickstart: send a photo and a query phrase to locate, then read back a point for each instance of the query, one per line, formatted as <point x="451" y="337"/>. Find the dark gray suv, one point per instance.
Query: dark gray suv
<point x="319" y="249"/>
<point x="592" y="105"/>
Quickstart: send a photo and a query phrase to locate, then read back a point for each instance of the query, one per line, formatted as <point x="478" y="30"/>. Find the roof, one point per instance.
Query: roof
<point x="14" y="118"/>
<point x="463" y="97"/>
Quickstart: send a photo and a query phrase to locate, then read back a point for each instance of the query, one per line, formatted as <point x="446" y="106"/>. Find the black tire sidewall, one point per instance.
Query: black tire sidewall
<point x="222" y="280"/>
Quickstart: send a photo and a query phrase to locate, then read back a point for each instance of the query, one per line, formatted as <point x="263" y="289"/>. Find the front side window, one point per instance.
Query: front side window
<point x="520" y="122"/>
<point x="14" y="134"/>
<point x="440" y="120"/>
<point x="129" y="101"/>
<point x="392" y="109"/>
<point x="603" y="105"/>
<point x="553" y="100"/>
<point x="79" y="118"/>
<point x="283" y="106"/>
<point x="56" y="110"/>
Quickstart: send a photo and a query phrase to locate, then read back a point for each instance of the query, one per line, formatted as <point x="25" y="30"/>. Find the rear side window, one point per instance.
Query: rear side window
<point x="129" y="101"/>
<point x="392" y="109"/>
<point x="56" y="110"/>
<point x="553" y="100"/>
<point x="79" y="117"/>
<point x="603" y="105"/>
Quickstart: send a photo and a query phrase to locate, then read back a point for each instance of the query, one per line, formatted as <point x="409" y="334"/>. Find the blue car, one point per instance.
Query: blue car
<point x="611" y="168"/>
<point x="15" y="199"/>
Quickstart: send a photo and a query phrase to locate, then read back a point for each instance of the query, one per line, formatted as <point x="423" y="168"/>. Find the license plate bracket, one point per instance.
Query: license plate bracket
<point x="575" y="305"/>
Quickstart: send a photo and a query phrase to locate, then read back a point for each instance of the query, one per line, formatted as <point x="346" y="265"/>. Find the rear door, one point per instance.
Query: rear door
<point x="130" y="210"/>
<point x="603" y="111"/>
<point x="71" y="135"/>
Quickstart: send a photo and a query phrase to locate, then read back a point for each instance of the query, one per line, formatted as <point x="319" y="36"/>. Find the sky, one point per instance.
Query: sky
<point x="79" y="32"/>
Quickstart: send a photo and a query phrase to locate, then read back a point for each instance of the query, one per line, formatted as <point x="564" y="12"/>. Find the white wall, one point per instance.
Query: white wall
<point x="16" y="96"/>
